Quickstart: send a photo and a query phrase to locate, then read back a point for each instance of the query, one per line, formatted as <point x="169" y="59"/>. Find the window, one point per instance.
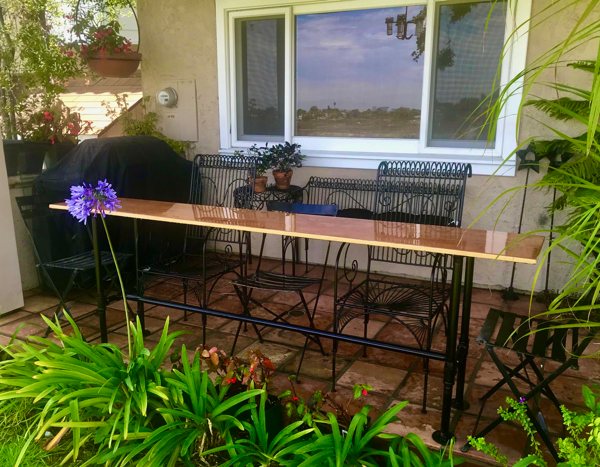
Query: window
<point x="355" y="82"/>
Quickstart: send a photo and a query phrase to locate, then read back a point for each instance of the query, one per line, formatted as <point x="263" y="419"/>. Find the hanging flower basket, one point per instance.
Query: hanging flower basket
<point x="115" y="65"/>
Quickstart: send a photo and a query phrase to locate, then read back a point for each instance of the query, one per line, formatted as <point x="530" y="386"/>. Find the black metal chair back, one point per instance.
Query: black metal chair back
<point x="353" y="197"/>
<point x="222" y="181"/>
<point x="430" y="193"/>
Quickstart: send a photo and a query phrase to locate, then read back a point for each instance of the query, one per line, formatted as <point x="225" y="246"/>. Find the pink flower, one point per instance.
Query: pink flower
<point x="48" y="116"/>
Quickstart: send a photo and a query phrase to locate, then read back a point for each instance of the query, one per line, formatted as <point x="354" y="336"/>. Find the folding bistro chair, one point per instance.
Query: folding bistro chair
<point x="530" y="339"/>
<point x="209" y="253"/>
<point x="75" y="270"/>
<point x="287" y="279"/>
<point x="429" y="193"/>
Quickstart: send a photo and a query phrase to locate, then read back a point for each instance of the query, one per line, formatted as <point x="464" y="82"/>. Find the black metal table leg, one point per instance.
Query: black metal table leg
<point x="444" y="435"/>
<point x="463" y="344"/>
<point x="139" y="282"/>
<point x="100" y="299"/>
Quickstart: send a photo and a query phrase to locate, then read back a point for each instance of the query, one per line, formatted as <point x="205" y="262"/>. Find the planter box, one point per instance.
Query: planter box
<point x="24" y="157"/>
<point x="56" y="153"/>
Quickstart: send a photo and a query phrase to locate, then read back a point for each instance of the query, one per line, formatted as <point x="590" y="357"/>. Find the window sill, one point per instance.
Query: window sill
<point x="481" y="165"/>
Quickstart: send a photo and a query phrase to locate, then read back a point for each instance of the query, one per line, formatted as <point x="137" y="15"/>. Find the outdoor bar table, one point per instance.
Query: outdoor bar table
<point x="465" y="245"/>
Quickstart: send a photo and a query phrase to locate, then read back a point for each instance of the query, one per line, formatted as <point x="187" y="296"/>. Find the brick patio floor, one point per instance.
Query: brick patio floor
<point x="394" y="377"/>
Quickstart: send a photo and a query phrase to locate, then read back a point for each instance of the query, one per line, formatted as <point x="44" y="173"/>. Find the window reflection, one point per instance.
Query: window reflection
<point x="466" y="59"/>
<point x="353" y="79"/>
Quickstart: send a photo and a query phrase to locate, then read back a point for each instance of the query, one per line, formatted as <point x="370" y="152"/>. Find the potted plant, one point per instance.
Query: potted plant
<point x="98" y="39"/>
<point x="35" y="62"/>
<point x="262" y="165"/>
<point x="282" y="158"/>
<point x="47" y="129"/>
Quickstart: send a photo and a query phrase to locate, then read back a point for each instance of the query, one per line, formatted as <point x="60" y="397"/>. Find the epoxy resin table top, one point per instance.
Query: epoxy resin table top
<point x="474" y="243"/>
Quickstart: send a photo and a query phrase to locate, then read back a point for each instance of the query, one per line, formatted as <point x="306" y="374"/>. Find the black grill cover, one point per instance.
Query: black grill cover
<point x="138" y="167"/>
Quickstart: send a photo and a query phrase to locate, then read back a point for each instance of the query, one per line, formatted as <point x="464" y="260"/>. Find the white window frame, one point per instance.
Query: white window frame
<point x="367" y="152"/>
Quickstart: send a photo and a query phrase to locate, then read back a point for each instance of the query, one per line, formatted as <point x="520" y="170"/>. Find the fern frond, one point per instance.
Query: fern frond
<point x="562" y="108"/>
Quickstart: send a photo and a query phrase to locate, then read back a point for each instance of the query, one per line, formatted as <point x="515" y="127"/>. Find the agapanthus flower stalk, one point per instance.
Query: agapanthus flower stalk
<point x="89" y="201"/>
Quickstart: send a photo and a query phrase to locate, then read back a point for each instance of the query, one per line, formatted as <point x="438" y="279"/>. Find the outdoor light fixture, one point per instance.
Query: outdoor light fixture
<point x="402" y="23"/>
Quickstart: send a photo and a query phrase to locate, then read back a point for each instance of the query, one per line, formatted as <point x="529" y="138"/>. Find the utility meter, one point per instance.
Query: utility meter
<point x="167" y="97"/>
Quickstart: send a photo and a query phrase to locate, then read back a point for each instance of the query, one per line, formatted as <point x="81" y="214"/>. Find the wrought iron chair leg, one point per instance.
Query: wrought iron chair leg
<point x="185" y="284"/>
<point x="310" y="320"/>
<point x="334" y="350"/>
<point x="425" y="382"/>
<point x="302" y="358"/>
<point x="547" y="390"/>
<point x="62" y="305"/>
<point x="365" y="329"/>
<point x="542" y="432"/>
<point x="245" y="300"/>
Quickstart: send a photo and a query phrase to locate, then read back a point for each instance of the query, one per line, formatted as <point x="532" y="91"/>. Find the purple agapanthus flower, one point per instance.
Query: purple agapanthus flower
<point x="86" y="200"/>
<point x="522" y="400"/>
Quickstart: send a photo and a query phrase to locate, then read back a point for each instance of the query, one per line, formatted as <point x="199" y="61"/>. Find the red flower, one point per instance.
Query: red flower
<point x="295" y="398"/>
<point x="231" y="380"/>
<point x="48" y="116"/>
<point x="364" y="392"/>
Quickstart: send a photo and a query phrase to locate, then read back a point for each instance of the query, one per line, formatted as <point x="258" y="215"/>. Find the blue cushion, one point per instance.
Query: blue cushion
<point x="302" y="208"/>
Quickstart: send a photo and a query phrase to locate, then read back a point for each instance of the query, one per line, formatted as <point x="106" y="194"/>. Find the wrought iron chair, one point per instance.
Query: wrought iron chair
<point x="530" y="339"/>
<point x="287" y="279"/>
<point x="61" y="275"/>
<point x="210" y="253"/>
<point x="410" y="192"/>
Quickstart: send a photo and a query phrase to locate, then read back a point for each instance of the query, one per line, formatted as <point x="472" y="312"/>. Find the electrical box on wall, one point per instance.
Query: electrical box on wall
<point x="177" y="108"/>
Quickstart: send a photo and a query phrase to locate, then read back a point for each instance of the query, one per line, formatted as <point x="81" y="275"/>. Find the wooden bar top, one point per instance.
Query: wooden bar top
<point x="474" y="243"/>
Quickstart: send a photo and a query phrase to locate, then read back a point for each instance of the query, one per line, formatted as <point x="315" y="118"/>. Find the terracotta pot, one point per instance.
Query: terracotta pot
<point x="116" y="65"/>
<point x="282" y="178"/>
<point x="260" y="183"/>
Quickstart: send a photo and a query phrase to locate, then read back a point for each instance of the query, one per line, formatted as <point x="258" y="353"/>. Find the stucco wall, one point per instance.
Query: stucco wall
<point x="179" y="43"/>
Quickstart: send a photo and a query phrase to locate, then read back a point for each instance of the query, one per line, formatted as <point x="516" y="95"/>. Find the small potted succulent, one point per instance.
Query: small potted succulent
<point x="282" y="159"/>
<point x="262" y="165"/>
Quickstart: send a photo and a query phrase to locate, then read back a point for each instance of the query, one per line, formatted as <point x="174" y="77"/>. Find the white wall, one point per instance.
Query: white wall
<point x="11" y="293"/>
